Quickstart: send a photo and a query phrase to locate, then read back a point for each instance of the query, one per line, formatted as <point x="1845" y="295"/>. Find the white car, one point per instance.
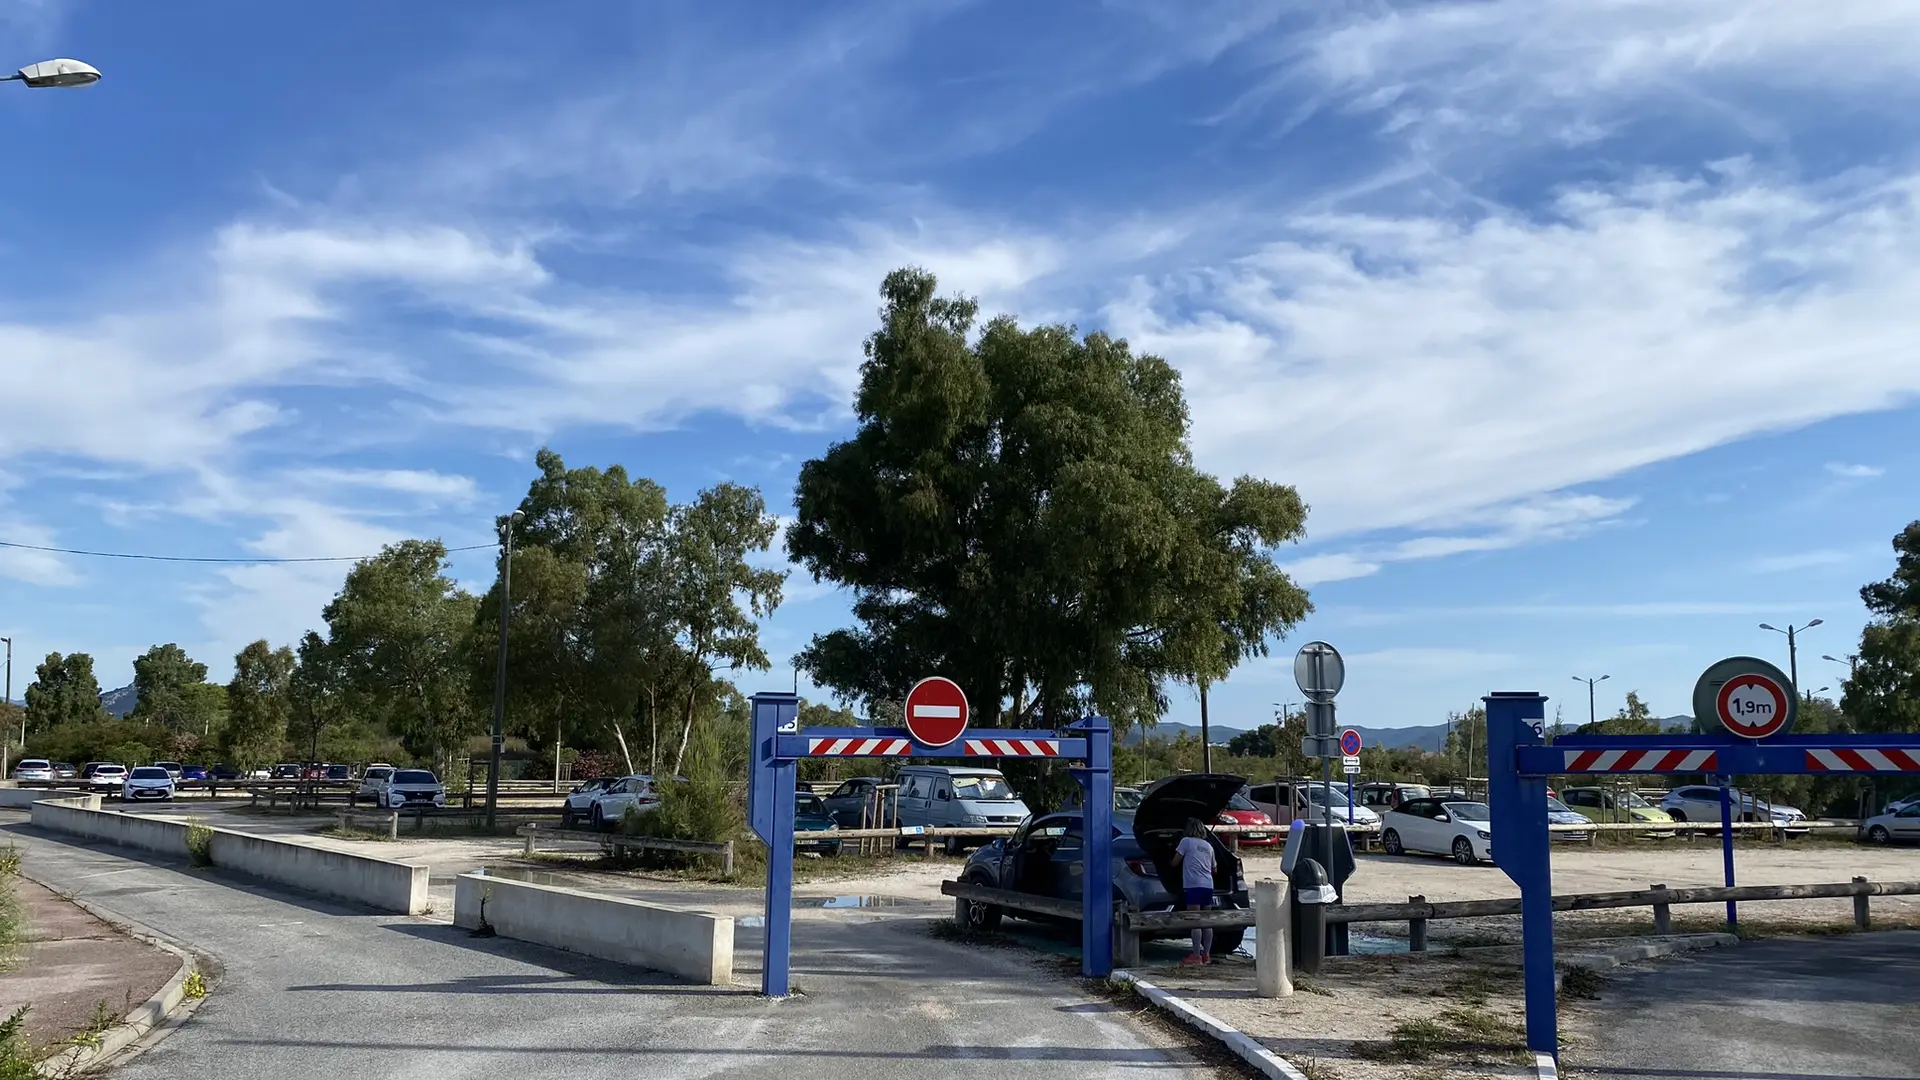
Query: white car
<point x="1902" y="824"/>
<point x="370" y="785"/>
<point x="1700" y="804"/>
<point x="612" y="802"/>
<point x="1893" y="807"/>
<point x="579" y="804"/>
<point x="33" y="770"/>
<point x="409" y="787"/>
<point x="108" y="778"/>
<point x="146" y="783"/>
<point x="1445" y="827"/>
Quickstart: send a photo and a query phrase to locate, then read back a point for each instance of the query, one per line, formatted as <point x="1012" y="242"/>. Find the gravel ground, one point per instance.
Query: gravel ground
<point x="73" y="962"/>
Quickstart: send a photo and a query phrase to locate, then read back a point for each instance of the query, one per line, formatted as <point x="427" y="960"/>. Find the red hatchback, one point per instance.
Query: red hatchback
<point x="1241" y="811"/>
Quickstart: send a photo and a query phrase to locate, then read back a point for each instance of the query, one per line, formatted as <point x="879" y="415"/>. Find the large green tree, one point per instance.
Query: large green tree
<point x="64" y="691"/>
<point x="1883" y="692"/>
<point x="259" y="704"/>
<point x="163" y="681"/>
<point x="1020" y="511"/>
<point x="1634" y="718"/>
<point x="397" y="646"/>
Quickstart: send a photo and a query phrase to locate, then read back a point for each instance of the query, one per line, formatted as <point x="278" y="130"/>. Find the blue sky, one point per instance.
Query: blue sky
<point x="1585" y="329"/>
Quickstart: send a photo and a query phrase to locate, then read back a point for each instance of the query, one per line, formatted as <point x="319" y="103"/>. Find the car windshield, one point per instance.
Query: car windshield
<point x="1632" y="801"/>
<point x="34" y="763"/>
<point x="1125" y="799"/>
<point x="414" y="776"/>
<point x="1470" y="811"/>
<point x="1320" y="796"/>
<point x="146" y="773"/>
<point x="810" y="804"/>
<point x="981" y="787"/>
<point x="1238" y="802"/>
<point x="116" y="769"/>
<point x="1555" y="806"/>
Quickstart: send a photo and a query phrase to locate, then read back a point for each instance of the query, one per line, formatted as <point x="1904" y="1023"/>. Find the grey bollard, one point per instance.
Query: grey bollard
<point x="1270" y="945"/>
<point x="1862" y="913"/>
<point x="1312" y="895"/>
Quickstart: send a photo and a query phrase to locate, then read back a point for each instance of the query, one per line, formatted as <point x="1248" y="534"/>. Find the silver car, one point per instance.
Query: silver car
<point x="1700" y="804"/>
<point x="146" y="783"/>
<point x="33" y="771"/>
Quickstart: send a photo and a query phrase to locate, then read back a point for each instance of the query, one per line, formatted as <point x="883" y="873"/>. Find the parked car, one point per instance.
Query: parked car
<point x="1893" y="807"/>
<point x="1558" y="814"/>
<point x="287" y="770"/>
<point x="813" y="827"/>
<point x="173" y="768"/>
<point x="64" y="770"/>
<point x="852" y="803"/>
<point x="1700" y="803"/>
<point x="87" y="770"/>
<point x="1624" y="806"/>
<point x="1125" y="801"/>
<point x="579" y="804"/>
<point x="338" y="772"/>
<point x="34" y="770"/>
<point x="1308" y="800"/>
<point x="1046" y="857"/>
<point x="371" y="782"/>
<point x="1381" y="796"/>
<point x="1902" y="824"/>
<point x="223" y="772"/>
<point x="193" y="772"/>
<point x="409" y="787"/>
<point x="1457" y="828"/>
<point x="147" y="783"/>
<point x="108" y="777"/>
<point x="955" y="796"/>
<point x="612" y="802"/>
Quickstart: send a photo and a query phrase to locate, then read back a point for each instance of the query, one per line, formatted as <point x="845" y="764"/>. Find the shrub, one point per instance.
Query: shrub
<point x="16" y="1057"/>
<point x="699" y="807"/>
<point x="200" y="844"/>
<point x="13" y="916"/>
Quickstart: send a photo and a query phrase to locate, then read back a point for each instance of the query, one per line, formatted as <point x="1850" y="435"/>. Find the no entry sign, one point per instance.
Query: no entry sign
<point x="936" y="711"/>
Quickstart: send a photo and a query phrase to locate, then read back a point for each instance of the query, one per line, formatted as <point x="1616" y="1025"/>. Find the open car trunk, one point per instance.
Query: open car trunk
<point x="1161" y="819"/>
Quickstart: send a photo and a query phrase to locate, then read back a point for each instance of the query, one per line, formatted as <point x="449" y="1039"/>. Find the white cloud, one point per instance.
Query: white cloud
<point x="1334" y="566"/>
<point x="1535" y="520"/>
<point x="1793" y="562"/>
<point x="431" y="486"/>
<point x="1429" y="660"/>
<point x="1854" y="472"/>
<point x="43" y="568"/>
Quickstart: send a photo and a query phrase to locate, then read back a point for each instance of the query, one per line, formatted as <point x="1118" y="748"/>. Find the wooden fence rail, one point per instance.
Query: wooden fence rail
<point x="621" y="842"/>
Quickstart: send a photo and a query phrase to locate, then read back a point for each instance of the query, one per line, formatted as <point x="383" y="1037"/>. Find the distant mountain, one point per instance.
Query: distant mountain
<point x="1431" y="738"/>
<point x="120" y="702"/>
<point x="1168" y="730"/>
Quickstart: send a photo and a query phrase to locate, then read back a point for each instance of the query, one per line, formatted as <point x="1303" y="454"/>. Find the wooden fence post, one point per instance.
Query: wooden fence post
<point x="1662" y="911"/>
<point x="726" y="859"/>
<point x="1416" y="928"/>
<point x="1126" y="941"/>
<point x="1862" y="915"/>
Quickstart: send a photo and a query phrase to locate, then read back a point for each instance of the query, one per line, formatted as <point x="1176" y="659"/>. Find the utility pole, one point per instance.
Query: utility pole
<point x="500" y="672"/>
<point x="1590" y="712"/>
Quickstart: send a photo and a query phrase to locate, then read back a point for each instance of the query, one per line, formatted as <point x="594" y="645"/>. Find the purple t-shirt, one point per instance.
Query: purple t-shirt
<point x="1196" y="863"/>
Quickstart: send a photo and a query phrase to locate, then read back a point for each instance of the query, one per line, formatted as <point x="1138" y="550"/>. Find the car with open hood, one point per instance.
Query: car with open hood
<point x="1046" y="856"/>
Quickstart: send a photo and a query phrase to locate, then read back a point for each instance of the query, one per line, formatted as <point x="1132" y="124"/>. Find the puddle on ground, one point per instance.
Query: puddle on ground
<point x="750" y="922"/>
<point x="528" y="874"/>
<point x="843" y="902"/>
<point x="1357" y="945"/>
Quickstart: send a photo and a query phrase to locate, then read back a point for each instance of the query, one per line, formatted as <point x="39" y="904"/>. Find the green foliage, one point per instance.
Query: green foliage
<point x="124" y="741"/>
<point x="1635" y="718"/>
<point x="1883" y="693"/>
<point x="701" y="807"/>
<point x="13" y="914"/>
<point x="1021" y="512"/>
<point x="63" y="691"/>
<point x="398" y="638"/>
<point x="195" y="986"/>
<point x="200" y="844"/>
<point x="162" y="680"/>
<point x="258" y="704"/>
<point x="17" y="1059"/>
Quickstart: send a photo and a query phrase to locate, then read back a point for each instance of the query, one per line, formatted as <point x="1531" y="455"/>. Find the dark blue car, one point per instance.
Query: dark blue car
<point x="1045" y="857"/>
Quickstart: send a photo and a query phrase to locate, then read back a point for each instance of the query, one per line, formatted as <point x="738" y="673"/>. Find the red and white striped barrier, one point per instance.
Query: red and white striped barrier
<point x="858" y="747"/>
<point x="1875" y="761"/>
<point x="1627" y="761"/>
<point x="1013" y="747"/>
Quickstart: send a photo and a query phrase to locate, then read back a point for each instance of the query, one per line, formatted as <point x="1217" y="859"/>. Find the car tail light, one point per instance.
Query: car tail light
<point x="1143" y="868"/>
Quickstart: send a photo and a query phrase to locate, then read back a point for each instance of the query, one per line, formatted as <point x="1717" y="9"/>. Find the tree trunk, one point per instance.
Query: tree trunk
<point x="621" y="737"/>
<point x="686" y="731"/>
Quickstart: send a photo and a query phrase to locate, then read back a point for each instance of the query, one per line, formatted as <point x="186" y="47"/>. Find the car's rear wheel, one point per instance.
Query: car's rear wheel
<point x="1463" y="851"/>
<point x="1879" y="834"/>
<point x="1390" y="843"/>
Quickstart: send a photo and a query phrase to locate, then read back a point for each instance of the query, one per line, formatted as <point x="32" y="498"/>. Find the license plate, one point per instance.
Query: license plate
<point x="1257" y="836"/>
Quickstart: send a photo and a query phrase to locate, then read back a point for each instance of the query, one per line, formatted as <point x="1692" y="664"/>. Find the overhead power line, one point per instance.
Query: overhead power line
<point x="204" y="558"/>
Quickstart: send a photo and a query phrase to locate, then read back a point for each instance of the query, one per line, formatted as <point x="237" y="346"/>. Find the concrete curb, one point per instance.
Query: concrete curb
<point x="1265" y="1061"/>
<point x="171" y="999"/>
<point x="1647" y="950"/>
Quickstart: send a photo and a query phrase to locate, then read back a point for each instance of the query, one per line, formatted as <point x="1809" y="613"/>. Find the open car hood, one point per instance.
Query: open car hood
<point x="1163" y="812"/>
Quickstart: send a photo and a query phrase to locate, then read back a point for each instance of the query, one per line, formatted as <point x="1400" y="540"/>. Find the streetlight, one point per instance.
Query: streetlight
<point x="1793" y="654"/>
<point x="9" y="696"/>
<point x="1590" y="682"/>
<point x="500" y="670"/>
<point x="55" y="74"/>
<point x="1852" y="661"/>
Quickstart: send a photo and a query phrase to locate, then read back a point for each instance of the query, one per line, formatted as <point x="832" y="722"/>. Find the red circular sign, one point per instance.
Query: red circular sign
<point x="936" y="711"/>
<point x="1752" y="706"/>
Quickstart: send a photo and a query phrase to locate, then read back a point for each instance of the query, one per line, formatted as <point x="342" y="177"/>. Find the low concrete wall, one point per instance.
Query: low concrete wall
<point x="378" y="883"/>
<point x="694" y="945"/>
<point x="19" y="798"/>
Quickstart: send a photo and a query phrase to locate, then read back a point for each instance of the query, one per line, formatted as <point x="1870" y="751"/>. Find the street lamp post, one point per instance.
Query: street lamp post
<point x="1590" y="682"/>
<point x="62" y="73"/>
<point x="1852" y="660"/>
<point x="9" y="698"/>
<point x="1793" y="648"/>
<point x="500" y="671"/>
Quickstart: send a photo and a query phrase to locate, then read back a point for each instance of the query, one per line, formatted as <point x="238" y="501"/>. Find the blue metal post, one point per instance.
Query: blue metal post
<point x="770" y="792"/>
<point x="1096" y="879"/>
<point x="1726" y="848"/>
<point x="1519" y="827"/>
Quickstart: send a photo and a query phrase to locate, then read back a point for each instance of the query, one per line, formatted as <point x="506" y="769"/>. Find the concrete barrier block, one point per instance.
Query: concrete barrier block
<point x="694" y="945"/>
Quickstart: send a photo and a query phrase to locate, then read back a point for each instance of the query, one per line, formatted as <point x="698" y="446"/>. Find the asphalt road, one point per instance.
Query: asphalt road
<point x="1819" y="1009"/>
<point x="343" y="992"/>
